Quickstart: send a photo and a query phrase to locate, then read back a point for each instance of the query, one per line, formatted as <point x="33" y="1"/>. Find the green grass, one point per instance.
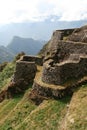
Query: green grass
<point x="78" y="110"/>
<point x="25" y="115"/>
<point x="20" y="113"/>
<point x="6" y="74"/>
<point x="6" y="107"/>
<point x="17" y="113"/>
<point x="47" y="116"/>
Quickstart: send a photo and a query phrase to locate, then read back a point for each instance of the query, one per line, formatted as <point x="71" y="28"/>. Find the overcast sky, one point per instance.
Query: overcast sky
<point x="35" y="10"/>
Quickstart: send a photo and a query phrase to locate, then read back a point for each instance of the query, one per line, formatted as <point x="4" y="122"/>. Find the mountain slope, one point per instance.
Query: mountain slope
<point x="19" y="113"/>
<point x="27" y="45"/>
<point x="76" y="118"/>
<point x="5" y="54"/>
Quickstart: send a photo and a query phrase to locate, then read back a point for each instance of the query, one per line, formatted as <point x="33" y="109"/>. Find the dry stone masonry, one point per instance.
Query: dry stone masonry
<point x="63" y="68"/>
<point x="26" y="68"/>
<point x="37" y="60"/>
<point x="65" y="60"/>
<point x="59" y="73"/>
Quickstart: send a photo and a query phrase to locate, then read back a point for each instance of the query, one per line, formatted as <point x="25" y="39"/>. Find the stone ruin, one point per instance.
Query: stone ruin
<point x="63" y="68"/>
<point x="24" y="75"/>
<point x="59" y="73"/>
<point x="26" y="68"/>
<point x="65" y="60"/>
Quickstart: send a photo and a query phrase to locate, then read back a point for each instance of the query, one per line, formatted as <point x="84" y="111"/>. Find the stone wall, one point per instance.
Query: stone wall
<point x="63" y="50"/>
<point x="79" y="35"/>
<point x="25" y="70"/>
<point x="60" y="49"/>
<point x="36" y="59"/>
<point x="59" y="73"/>
<point x="58" y="35"/>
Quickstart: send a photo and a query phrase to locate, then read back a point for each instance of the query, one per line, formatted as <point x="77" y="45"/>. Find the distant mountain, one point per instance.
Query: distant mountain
<point x="35" y="30"/>
<point x="5" y="54"/>
<point x="27" y="45"/>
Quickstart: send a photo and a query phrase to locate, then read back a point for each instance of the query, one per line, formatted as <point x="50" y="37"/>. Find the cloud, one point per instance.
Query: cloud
<point x="74" y="10"/>
<point x="35" y="10"/>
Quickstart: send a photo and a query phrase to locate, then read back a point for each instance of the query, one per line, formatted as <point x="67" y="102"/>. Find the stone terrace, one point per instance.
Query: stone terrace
<point x="61" y="72"/>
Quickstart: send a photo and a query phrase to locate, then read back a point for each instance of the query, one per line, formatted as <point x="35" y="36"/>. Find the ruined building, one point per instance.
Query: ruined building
<point x="61" y="69"/>
<point x="64" y="64"/>
<point x="65" y="60"/>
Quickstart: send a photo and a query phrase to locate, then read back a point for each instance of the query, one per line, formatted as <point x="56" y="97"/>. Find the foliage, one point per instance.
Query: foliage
<point x="47" y="115"/>
<point x="6" y="74"/>
<point x="18" y="113"/>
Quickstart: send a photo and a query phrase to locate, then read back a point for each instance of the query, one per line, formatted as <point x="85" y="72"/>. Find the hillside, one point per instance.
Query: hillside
<point x="5" y="54"/>
<point x="64" y="114"/>
<point x="48" y="92"/>
<point x="27" y="45"/>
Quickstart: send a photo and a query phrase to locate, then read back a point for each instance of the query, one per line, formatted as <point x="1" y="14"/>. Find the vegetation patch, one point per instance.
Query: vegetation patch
<point x="6" y="74"/>
<point x="47" y="115"/>
<point x="18" y="113"/>
<point x="77" y="114"/>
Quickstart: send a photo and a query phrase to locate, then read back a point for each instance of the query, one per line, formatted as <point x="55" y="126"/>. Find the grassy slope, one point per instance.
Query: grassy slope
<point x="21" y="108"/>
<point x="25" y="115"/>
<point x="5" y="75"/>
<point x="21" y="114"/>
<point x="46" y="116"/>
<point x="76" y="118"/>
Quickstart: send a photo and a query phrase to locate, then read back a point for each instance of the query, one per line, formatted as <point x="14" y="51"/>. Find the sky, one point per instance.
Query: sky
<point x="38" y="10"/>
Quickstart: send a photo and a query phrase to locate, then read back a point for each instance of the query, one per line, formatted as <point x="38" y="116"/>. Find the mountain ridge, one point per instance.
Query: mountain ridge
<point x="18" y="45"/>
<point x="27" y="45"/>
<point x="37" y="30"/>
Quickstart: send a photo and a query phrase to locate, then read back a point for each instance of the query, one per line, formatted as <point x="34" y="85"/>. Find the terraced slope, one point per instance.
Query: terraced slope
<point x="20" y="113"/>
<point x="76" y="118"/>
